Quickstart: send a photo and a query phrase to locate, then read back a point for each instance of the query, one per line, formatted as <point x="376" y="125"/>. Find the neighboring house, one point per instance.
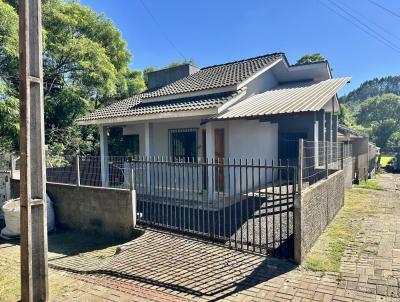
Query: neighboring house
<point x="254" y="108"/>
<point x="365" y="153"/>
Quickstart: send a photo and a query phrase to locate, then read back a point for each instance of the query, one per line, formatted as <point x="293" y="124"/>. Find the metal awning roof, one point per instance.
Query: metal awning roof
<point x="286" y="98"/>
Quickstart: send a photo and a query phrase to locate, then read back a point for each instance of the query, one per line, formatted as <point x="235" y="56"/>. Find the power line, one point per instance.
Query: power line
<point x="358" y="26"/>
<point x="371" y="21"/>
<point x="364" y="24"/>
<point x="162" y="31"/>
<point x="385" y="8"/>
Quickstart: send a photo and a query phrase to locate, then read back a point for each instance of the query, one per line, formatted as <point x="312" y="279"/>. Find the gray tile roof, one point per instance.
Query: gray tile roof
<point x="216" y="76"/>
<point x="286" y="98"/>
<point x="134" y="106"/>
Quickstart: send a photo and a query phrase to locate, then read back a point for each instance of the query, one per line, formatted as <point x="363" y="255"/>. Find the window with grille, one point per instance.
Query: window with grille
<point x="183" y="143"/>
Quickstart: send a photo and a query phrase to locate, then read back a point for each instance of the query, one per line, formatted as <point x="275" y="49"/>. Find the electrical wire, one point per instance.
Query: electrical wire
<point x="162" y="31"/>
<point x="370" y="20"/>
<point x="385" y="8"/>
<point x="358" y="26"/>
<point x="364" y="24"/>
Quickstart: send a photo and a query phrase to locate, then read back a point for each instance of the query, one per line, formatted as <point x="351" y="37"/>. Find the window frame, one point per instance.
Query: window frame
<point x="172" y="151"/>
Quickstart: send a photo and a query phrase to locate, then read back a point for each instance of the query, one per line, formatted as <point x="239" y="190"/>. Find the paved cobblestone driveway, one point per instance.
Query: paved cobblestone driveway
<point x="161" y="267"/>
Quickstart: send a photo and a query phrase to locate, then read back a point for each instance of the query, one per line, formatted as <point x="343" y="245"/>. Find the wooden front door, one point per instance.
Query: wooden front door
<point x="219" y="157"/>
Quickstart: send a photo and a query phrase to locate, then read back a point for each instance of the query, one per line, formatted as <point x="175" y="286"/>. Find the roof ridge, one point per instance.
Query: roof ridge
<point x="243" y="60"/>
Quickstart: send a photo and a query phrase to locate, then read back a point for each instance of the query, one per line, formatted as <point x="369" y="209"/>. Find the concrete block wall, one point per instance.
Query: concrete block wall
<point x="106" y="211"/>
<point x="314" y="210"/>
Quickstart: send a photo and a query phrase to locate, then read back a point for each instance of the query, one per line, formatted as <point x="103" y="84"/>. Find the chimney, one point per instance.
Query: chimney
<point x="162" y="77"/>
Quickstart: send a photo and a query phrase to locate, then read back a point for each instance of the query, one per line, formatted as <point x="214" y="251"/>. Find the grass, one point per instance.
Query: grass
<point x="326" y="254"/>
<point x="371" y="184"/>
<point x="385" y="160"/>
<point x="60" y="243"/>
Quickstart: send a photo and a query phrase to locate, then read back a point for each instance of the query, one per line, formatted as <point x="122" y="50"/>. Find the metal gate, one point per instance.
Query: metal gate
<point x="252" y="210"/>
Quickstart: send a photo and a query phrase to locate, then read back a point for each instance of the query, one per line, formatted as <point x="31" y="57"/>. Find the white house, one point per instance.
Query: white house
<point x="253" y="108"/>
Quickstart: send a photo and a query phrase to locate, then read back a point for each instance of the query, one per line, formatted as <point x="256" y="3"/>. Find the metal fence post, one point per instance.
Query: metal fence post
<point x="326" y="159"/>
<point x="342" y="155"/>
<point x="131" y="177"/>
<point x="77" y="170"/>
<point x="297" y="208"/>
<point x="300" y="165"/>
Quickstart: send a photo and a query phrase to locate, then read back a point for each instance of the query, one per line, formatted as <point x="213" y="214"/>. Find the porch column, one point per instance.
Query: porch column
<point x="321" y="134"/>
<point x="334" y="128"/>
<point x="315" y="139"/>
<point x="104" y="155"/>
<point x="147" y="149"/>
<point x="328" y="118"/>
<point x="334" y="137"/>
<point x="147" y="140"/>
<point x="210" y="153"/>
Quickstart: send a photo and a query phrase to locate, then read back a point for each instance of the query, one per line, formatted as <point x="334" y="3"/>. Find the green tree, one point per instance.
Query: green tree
<point x="9" y="105"/>
<point x="380" y="114"/>
<point x="85" y="63"/>
<point x="311" y="58"/>
<point x="374" y="87"/>
<point x="345" y="115"/>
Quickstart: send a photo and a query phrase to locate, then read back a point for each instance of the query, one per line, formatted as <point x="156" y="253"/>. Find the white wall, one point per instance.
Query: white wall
<point x="243" y="140"/>
<point x="136" y="129"/>
<point x="256" y="141"/>
<point x="253" y="139"/>
<point x="262" y="83"/>
<point x="159" y="135"/>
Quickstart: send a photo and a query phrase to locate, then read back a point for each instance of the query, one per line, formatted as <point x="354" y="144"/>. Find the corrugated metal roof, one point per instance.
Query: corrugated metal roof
<point x="286" y="98"/>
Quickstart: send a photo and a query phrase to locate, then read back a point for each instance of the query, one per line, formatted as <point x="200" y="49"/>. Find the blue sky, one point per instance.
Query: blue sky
<point x="217" y="31"/>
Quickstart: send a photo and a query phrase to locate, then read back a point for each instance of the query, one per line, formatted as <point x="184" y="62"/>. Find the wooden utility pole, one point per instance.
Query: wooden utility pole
<point x="34" y="282"/>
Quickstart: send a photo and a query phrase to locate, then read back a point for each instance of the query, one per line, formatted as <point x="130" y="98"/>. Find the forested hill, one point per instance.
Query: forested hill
<point x="375" y="87"/>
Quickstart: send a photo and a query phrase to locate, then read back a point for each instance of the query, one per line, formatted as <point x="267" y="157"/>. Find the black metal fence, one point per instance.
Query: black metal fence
<point x="244" y="204"/>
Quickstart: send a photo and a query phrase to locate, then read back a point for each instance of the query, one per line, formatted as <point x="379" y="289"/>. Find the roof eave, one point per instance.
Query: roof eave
<point x="200" y="113"/>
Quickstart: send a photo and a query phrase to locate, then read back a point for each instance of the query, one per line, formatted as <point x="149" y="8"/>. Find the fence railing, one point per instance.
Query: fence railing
<point x="244" y="203"/>
<point x="320" y="159"/>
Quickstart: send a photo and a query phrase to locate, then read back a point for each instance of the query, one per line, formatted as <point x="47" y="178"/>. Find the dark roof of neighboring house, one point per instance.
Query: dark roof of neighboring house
<point x="216" y="76"/>
<point x="134" y="106"/>
<point x="347" y="130"/>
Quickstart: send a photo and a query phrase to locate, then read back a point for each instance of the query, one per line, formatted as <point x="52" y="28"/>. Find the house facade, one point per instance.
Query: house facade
<point x="365" y="153"/>
<point x="257" y="108"/>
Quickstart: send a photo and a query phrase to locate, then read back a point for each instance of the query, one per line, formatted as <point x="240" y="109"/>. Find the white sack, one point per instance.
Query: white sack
<point x="11" y="211"/>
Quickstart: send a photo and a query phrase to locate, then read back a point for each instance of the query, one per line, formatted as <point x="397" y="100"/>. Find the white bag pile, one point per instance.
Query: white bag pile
<point x="11" y="212"/>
